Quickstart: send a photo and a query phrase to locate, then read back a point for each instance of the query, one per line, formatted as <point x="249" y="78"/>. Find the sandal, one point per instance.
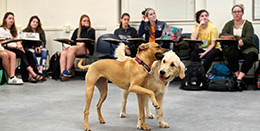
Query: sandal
<point x="32" y="80"/>
<point x="39" y="78"/>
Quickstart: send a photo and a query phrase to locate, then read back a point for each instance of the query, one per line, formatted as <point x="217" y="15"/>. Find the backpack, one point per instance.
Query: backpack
<point x="54" y="68"/>
<point x="220" y="78"/>
<point x="195" y="77"/>
<point x="182" y="48"/>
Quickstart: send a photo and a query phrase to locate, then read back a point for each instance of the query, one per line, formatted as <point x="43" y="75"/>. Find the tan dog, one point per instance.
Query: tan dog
<point x="164" y="71"/>
<point x="127" y="75"/>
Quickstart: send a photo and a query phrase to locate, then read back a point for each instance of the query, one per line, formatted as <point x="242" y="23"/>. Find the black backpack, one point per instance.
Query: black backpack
<point x="182" y="48"/>
<point x="54" y="68"/>
<point x="195" y="77"/>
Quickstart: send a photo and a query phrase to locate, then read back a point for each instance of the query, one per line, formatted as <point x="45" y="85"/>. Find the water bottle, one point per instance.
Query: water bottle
<point x="258" y="82"/>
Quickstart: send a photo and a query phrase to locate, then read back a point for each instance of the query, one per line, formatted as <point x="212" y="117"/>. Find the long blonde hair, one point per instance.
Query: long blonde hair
<point x="80" y="26"/>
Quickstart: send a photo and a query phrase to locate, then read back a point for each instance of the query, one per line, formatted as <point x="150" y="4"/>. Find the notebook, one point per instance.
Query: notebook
<point x="31" y="36"/>
<point x="171" y="32"/>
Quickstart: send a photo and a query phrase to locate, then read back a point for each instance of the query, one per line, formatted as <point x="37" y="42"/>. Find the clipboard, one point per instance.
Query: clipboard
<point x="220" y="40"/>
<point x="13" y="40"/>
<point x="227" y="41"/>
<point x="64" y="40"/>
<point x="111" y="40"/>
<point x="192" y="41"/>
<point x="137" y="40"/>
<point x="168" y="41"/>
<point x="86" y="40"/>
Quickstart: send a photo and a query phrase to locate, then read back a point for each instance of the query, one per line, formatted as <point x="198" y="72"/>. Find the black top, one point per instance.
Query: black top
<point x="84" y="34"/>
<point x="124" y="34"/>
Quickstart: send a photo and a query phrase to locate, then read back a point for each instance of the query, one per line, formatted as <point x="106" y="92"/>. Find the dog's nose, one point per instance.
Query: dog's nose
<point x="162" y="72"/>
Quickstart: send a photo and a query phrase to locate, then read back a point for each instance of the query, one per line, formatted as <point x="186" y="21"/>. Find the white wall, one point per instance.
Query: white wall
<point x="104" y="14"/>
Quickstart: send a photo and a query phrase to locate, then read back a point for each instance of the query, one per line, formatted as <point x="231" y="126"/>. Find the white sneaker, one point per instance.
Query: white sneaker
<point x="15" y="81"/>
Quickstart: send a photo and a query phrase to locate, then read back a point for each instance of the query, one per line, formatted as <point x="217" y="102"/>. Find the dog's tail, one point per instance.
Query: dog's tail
<point x="120" y="53"/>
<point x="80" y="64"/>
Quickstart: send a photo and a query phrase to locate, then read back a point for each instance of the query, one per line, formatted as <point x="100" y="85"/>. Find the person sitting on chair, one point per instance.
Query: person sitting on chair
<point x="152" y="28"/>
<point x="38" y="47"/>
<point x="69" y="54"/>
<point x="207" y="33"/>
<point x="125" y="32"/>
<point x="244" y="47"/>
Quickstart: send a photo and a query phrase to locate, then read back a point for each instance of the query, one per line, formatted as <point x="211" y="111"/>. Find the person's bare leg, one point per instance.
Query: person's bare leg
<point x="73" y="51"/>
<point x="236" y="74"/>
<point x="127" y="50"/>
<point x="63" y="59"/>
<point x="32" y="74"/>
<point x="5" y="62"/>
<point x="40" y="68"/>
<point x="12" y="62"/>
<point x="241" y="75"/>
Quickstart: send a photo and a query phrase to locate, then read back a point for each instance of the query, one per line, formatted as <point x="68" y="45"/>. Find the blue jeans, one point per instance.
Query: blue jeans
<point x="44" y="53"/>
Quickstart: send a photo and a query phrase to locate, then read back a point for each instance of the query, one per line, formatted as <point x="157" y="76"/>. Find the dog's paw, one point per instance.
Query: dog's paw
<point x="122" y="115"/>
<point x="164" y="125"/>
<point x="102" y="121"/>
<point x="143" y="127"/>
<point x="88" y="129"/>
<point x="157" y="106"/>
<point x="150" y="116"/>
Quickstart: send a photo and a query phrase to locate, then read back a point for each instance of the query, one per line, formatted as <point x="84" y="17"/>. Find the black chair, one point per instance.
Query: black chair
<point x="104" y="49"/>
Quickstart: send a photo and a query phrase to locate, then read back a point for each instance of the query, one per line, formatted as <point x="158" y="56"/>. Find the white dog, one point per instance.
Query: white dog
<point x="164" y="71"/>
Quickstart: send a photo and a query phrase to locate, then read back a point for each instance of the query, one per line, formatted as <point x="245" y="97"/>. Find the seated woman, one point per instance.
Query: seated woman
<point x="9" y="30"/>
<point x="207" y="33"/>
<point x="9" y="64"/>
<point x="152" y="28"/>
<point x="69" y="54"/>
<point x="35" y="26"/>
<point x="126" y="32"/>
<point x="244" y="47"/>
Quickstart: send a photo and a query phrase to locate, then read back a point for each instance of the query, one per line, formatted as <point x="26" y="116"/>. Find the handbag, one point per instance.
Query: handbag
<point x="221" y="84"/>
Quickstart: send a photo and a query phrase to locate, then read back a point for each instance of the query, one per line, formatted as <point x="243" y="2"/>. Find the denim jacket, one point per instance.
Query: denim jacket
<point x="145" y="27"/>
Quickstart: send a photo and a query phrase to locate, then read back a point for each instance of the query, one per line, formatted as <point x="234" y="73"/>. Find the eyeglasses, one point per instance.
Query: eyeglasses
<point x="237" y="12"/>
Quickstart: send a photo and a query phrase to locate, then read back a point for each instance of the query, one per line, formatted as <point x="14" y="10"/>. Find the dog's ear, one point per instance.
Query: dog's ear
<point x="182" y="69"/>
<point x="142" y="47"/>
<point x="159" y="56"/>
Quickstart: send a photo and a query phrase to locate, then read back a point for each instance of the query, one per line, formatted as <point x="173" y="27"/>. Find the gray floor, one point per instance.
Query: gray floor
<point x="59" y="106"/>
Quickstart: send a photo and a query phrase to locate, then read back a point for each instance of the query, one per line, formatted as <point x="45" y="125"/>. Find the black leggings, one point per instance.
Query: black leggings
<point x="233" y="55"/>
<point x="26" y="60"/>
<point x="209" y="57"/>
<point x="25" y="57"/>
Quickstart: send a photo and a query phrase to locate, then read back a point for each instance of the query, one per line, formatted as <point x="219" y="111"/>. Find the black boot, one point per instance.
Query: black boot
<point x="244" y="85"/>
<point x="239" y="85"/>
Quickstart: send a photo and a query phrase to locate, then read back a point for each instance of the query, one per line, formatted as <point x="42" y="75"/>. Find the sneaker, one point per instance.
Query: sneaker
<point x="66" y="72"/>
<point x="15" y="81"/>
<point x="64" y="78"/>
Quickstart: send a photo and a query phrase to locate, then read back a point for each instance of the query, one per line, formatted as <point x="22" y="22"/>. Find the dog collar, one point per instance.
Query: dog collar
<point x="146" y="67"/>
